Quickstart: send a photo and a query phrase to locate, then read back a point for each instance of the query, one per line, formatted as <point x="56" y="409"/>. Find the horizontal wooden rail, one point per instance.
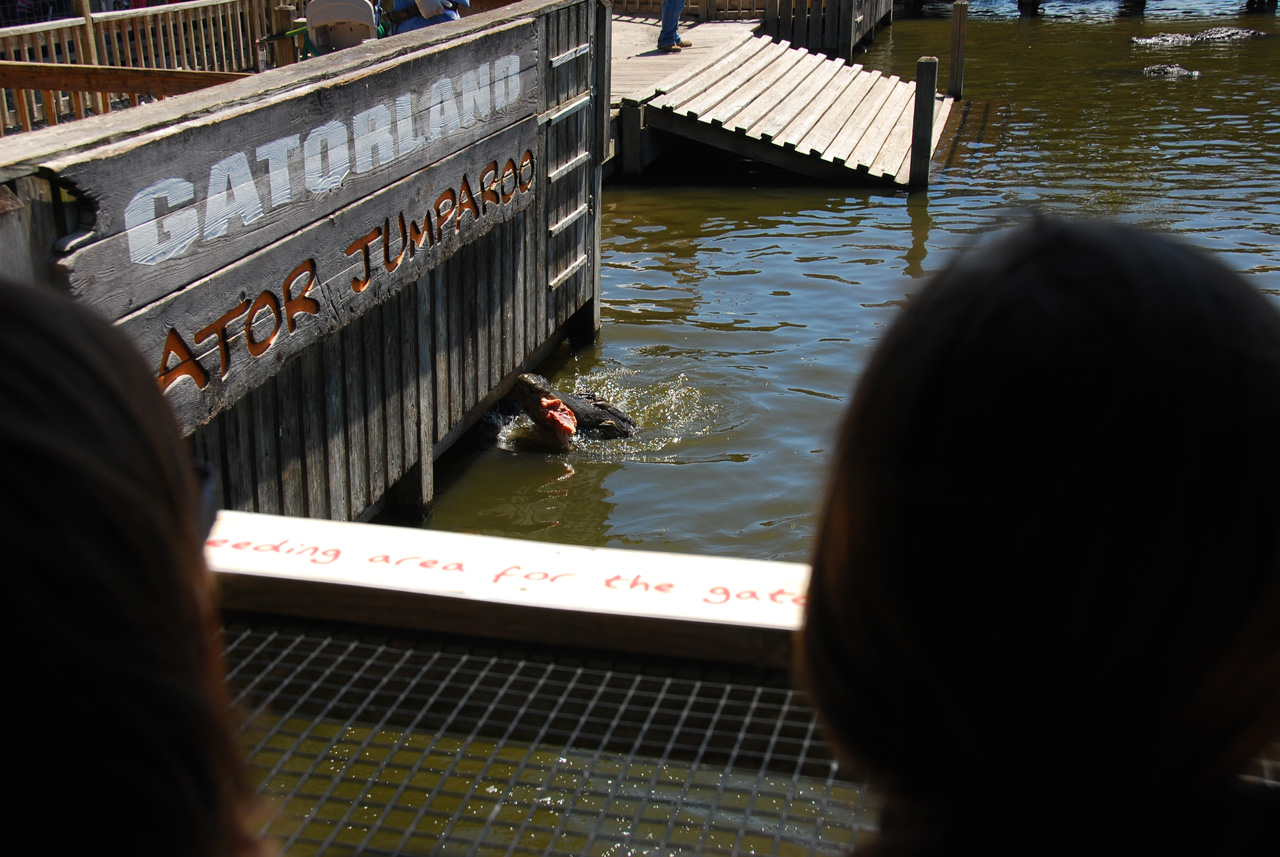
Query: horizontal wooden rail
<point x="703" y="10"/>
<point x="69" y="77"/>
<point x="200" y="35"/>
<point x="673" y="605"/>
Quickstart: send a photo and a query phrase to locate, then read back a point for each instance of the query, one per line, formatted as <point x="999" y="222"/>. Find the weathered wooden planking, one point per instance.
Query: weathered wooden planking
<point x="176" y="205"/>
<point x="694" y="69"/>
<point x="768" y="80"/>
<point x="897" y="142"/>
<point x="71" y="77"/>
<point x="941" y="113"/>
<point x="100" y="130"/>
<point x="894" y="159"/>
<point x="724" y="88"/>
<point x="785" y="107"/>
<point x="861" y="119"/>
<point x="812" y="130"/>
<point x="900" y="99"/>
<point x="218" y="338"/>
<point x="676" y="97"/>
<point x="314" y="431"/>
<point x="791" y="104"/>
<point x="748" y="147"/>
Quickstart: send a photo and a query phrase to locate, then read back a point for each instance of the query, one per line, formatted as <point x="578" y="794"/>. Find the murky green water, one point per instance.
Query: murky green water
<point x="737" y="316"/>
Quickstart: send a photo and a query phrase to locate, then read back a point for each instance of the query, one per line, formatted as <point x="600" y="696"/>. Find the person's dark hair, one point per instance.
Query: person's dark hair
<point x="1046" y="587"/>
<point x="120" y="719"/>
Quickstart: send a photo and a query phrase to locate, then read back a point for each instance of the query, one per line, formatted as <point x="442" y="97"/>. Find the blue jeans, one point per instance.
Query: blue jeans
<point x="671" y="10"/>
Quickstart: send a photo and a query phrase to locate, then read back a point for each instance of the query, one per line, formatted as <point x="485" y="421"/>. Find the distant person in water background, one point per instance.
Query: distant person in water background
<point x="123" y="737"/>
<point x="1044" y="614"/>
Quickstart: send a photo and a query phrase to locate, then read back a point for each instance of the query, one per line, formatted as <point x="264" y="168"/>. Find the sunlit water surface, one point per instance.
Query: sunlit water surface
<point x="739" y="314"/>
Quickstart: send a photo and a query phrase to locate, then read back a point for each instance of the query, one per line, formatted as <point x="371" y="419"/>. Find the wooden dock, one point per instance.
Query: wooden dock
<point x="768" y="101"/>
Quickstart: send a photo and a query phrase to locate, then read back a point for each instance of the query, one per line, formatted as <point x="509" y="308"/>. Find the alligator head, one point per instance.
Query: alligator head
<point x="545" y="406"/>
<point x="568" y="414"/>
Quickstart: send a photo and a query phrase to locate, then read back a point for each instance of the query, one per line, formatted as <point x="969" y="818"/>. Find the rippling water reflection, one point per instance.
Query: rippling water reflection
<point x="737" y="319"/>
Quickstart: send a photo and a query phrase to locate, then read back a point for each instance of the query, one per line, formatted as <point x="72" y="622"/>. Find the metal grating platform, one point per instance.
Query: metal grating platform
<point x="367" y="741"/>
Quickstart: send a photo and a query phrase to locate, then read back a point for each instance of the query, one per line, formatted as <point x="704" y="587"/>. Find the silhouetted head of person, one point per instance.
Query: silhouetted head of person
<point x="1046" y="590"/>
<point x="121" y="731"/>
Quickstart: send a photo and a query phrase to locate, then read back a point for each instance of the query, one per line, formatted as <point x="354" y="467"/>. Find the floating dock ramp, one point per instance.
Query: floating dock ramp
<point x="770" y="102"/>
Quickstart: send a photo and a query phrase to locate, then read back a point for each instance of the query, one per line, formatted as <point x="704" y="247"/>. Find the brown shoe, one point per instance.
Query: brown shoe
<point x="669" y="49"/>
<point x="683" y="42"/>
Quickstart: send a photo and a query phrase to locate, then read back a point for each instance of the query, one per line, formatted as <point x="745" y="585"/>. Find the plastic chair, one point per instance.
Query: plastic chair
<point x="336" y="24"/>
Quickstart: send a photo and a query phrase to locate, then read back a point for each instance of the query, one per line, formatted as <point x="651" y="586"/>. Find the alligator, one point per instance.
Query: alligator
<point x="1214" y="34"/>
<point x="1171" y="72"/>
<point x="569" y="414"/>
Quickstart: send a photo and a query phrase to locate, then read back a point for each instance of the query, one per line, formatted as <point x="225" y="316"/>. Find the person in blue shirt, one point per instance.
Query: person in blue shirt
<point x="409" y="15"/>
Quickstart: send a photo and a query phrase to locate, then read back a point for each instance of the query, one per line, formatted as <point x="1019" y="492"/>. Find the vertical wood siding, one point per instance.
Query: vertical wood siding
<point x="380" y="375"/>
<point x="352" y="415"/>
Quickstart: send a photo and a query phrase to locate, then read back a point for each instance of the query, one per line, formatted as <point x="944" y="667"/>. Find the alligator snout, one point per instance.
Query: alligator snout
<point x="570" y="414"/>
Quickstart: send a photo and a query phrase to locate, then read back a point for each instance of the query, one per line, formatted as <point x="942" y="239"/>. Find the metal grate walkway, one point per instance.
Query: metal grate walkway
<point x="374" y="742"/>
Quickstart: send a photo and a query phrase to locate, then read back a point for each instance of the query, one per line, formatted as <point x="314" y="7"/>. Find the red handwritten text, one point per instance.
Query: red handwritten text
<point x="535" y="576"/>
<point x="620" y="582"/>
<point x="423" y="562"/>
<point x="723" y="595"/>
<point x="317" y="554"/>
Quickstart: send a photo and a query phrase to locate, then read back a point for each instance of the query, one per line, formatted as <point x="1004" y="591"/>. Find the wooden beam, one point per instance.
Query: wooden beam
<point x="710" y="608"/>
<point x="71" y="77"/>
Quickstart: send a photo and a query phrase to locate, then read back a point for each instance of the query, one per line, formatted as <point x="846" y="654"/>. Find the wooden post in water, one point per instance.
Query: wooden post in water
<point x="959" y="25"/>
<point x="922" y="122"/>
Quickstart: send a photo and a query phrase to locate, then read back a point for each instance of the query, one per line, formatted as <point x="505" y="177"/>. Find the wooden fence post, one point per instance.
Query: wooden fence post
<point x="845" y="29"/>
<point x="282" y="22"/>
<point x="89" y="40"/>
<point x="959" y="26"/>
<point x="770" y="19"/>
<point x="922" y="122"/>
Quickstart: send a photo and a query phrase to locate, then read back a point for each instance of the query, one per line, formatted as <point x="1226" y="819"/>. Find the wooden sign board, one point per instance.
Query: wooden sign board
<point x="711" y="608"/>
<point x="229" y="242"/>
<point x="223" y="335"/>
<point x="179" y="204"/>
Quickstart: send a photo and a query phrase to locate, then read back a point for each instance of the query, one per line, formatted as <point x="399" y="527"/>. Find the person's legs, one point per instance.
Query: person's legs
<point x="671" y="10"/>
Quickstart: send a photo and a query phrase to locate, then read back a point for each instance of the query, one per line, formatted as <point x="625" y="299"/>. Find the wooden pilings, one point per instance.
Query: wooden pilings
<point x="959" y="31"/>
<point x="922" y="122"/>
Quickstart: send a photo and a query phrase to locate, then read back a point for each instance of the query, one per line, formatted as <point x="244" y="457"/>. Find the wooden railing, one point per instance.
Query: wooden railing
<point x="728" y="10"/>
<point x="203" y="35"/>
<point x="703" y="10"/>
<point x="831" y="27"/>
